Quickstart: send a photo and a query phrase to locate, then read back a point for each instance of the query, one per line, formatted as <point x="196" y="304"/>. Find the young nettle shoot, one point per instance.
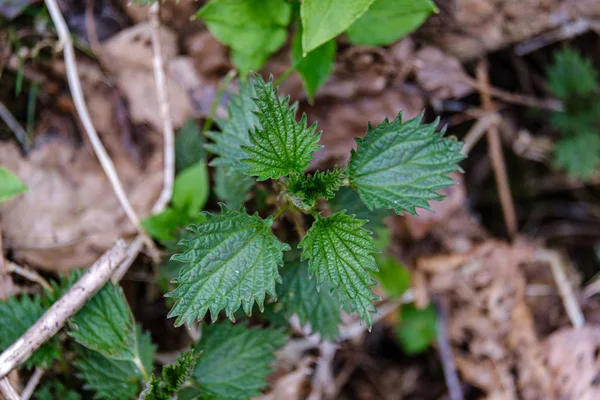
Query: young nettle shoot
<point x="234" y="258"/>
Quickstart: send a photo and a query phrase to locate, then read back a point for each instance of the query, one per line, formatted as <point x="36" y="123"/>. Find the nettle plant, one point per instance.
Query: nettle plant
<point x="232" y="259"/>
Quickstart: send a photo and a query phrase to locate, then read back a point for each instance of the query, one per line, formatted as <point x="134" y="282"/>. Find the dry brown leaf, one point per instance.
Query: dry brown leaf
<point x="573" y="359"/>
<point x="471" y="28"/>
<point x="490" y="325"/>
<point x="130" y="54"/>
<point x="70" y="214"/>
<point x="440" y="74"/>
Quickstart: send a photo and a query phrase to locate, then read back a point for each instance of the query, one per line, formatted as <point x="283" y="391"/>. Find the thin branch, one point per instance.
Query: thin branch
<point x="478" y="130"/>
<point x="133" y="250"/>
<point x="495" y="152"/>
<point x="455" y="391"/>
<point x="29" y="275"/>
<point x="32" y="384"/>
<point x="515" y="98"/>
<point x="564" y="286"/>
<point x="7" y="390"/>
<point x="83" y="113"/>
<point x="63" y="309"/>
<point x="164" y="109"/>
<point x="14" y="126"/>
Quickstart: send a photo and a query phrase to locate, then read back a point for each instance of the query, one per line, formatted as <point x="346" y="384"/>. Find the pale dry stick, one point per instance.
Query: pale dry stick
<point x="82" y="111"/>
<point x="63" y="309"/>
<point x="478" y="130"/>
<point x="32" y="384"/>
<point x="164" y="109"/>
<point x="353" y="330"/>
<point x="455" y="391"/>
<point x="495" y="152"/>
<point x="7" y="390"/>
<point x="515" y="98"/>
<point x="132" y="251"/>
<point x="29" y="275"/>
<point x="565" y="290"/>
<point x="566" y="31"/>
<point x="14" y="125"/>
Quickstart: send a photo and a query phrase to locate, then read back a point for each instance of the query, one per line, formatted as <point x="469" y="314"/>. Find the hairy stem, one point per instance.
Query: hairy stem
<point x="215" y="104"/>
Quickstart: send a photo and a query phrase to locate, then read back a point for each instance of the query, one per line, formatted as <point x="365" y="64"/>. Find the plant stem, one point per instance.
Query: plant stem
<point x="285" y="206"/>
<point x="215" y="104"/>
<point x="298" y="224"/>
<point x="283" y="76"/>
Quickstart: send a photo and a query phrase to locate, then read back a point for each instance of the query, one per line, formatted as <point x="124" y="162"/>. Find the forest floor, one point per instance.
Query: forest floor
<point x="509" y="259"/>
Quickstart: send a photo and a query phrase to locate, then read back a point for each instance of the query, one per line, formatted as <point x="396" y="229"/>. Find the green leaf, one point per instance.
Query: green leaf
<point x="144" y="352"/>
<point x="191" y="189"/>
<point x="417" y="329"/>
<point x="340" y="251"/>
<point x="402" y="165"/>
<point x="299" y="295"/>
<point x="189" y="146"/>
<point x="316" y="67"/>
<point x="172" y="379"/>
<point x="387" y="21"/>
<point x="323" y="20"/>
<point x="10" y="185"/>
<point x="52" y="390"/>
<point x="16" y="316"/>
<point x="579" y="155"/>
<point x="235" y="359"/>
<point x="307" y="189"/>
<point x="112" y="378"/>
<point x="347" y="199"/>
<point x="235" y="130"/>
<point x="164" y="225"/>
<point x="392" y="276"/>
<point x="254" y="29"/>
<point x="572" y="75"/>
<point x="231" y="260"/>
<point x="231" y="186"/>
<point x="105" y="324"/>
<point x="282" y="145"/>
<point x="108" y="378"/>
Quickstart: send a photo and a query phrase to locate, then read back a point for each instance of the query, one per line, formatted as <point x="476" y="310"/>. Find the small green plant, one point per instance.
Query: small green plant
<point x="232" y="259"/>
<point x="10" y="185"/>
<point x="574" y="80"/>
<point x="255" y="29"/>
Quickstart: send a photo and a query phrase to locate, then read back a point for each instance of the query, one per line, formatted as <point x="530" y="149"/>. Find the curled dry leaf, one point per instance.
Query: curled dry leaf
<point x="131" y="56"/>
<point x="440" y="74"/>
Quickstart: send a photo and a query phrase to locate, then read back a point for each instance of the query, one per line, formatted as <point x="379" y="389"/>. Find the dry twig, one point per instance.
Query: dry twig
<point x="29" y="275"/>
<point x="557" y="267"/>
<point x="515" y="98"/>
<point x="63" y="309"/>
<point x="7" y="390"/>
<point x="455" y="391"/>
<point x="83" y="113"/>
<point x="478" y="130"/>
<point x="495" y="151"/>
<point x="14" y="126"/>
<point x="32" y="384"/>
<point x="164" y="110"/>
